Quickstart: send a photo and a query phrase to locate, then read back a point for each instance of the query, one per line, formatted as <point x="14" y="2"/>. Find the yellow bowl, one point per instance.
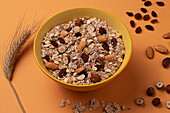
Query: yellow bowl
<point x="71" y="14"/>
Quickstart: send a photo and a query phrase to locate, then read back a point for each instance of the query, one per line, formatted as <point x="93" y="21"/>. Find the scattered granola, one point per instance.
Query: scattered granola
<point x="83" y="51"/>
<point x="78" y="108"/>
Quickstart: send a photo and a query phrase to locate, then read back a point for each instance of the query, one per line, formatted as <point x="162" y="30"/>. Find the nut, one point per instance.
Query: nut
<point x="149" y="52"/>
<point x="139" y="101"/>
<point x="81" y="77"/>
<point x="51" y="65"/>
<point x="61" y="49"/>
<point x="80" y="69"/>
<point x="162" y="49"/>
<point x="76" y="29"/>
<point x="166" y="36"/>
<point x="81" y="46"/>
<point x="102" y="38"/>
<point x="110" y="58"/>
<point x="90" y="28"/>
<point x="63" y="33"/>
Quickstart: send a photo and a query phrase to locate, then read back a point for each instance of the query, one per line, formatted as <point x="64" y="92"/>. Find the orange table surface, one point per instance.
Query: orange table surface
<point x="40" y="94"/>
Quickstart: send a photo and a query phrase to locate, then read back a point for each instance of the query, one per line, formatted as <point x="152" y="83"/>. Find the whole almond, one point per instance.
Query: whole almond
<point x="149" y="52"/>
<point x="166" y="36"/>
<point x="80" y="69"/>
<point x="51" y="65"/>
<point x="102" y="38"/>
<point x="110" y="58"/>
<point x="162" y="49"/>
<point x="81" y="46"/>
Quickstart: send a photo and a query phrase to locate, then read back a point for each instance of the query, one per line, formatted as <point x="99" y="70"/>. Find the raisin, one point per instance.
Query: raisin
<point x="160" y="3"/>
<point x="105" y="46"/>
<point x="144" y="10"/>
<point x="138" y="30"/>
<point x="132" y="23"/>
<point x="138" y="16"/>
<point x="154" y="14"/>
<point x="129" y="13"/>
<point x="69" y="29"/>
<point x="102" y="30"/>
<point x="62" y="72"/>
<point x="54" y="37"/>
<point x="78" y="34"/>
<point x="95" y="78"/>
<point x="61" y="40"/>
<point x="146" y="17"/>
<point x="100" y="60"/>
<point x="100" y="67"/>
<point x="148" y="3"/>
<point x="78" y="22"/>
<point x="54" y="43"/>
<point x="47" y="58"/>
<point x="85" y="57"/>
<point x="83" y="72"/>
<point x="114" y="42"/>
<point x="149" y="27"/>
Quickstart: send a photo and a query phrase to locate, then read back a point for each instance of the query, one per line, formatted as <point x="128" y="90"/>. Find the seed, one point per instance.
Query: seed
<point x="47" y="58"/>
<point x="154" y="21"/>
<point x="159" y="85"/>
<point x="61" y="49"/>
<point x="105" y="46"/>
<point x="78" y="34"/>
<point x="62" y="72"/>
<point x="160" y="3"/>
<point x="150" y="91"/>
<point x="166" y="62"/>
<point x="139" y="101"/>
<point x="148" y="3"/>
<point x="149" y="52"/>
<point x="168" y="104"/>
<point x="154" y="14"/>
<point x="166" y="35"/>
<point x="102" y="30"/>
<point x="85" y="57"/>
<point x="114" y="42"/>
<point x="95" y="78"/>
<point x="129" y="13"/>
<point x="146" y="17"/>
<point x="69" y="29"/>
<point x="156" y="101"/>
<point x="54" y="43"/>
<point x="61" y="40"/>
<point x="68" y="102"/>
<point x="162" y="49"/>
<point x="167" y="88"/>
<point x="149" y="27"/>
<point x="78" y="22"/>
<point x="132" y="23"/>
<point x="138" y="16"/>
<point x="144" y="10"/>
<point x="138" y="30"/>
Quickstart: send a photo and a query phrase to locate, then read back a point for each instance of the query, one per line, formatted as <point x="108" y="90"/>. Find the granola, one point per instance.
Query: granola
<point x="83" y="51"/>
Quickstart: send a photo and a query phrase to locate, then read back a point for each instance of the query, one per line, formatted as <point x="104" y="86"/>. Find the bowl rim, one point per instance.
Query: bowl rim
<point x="91" y="85"/>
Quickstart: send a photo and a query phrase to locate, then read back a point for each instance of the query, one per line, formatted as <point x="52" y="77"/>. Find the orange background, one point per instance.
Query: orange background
<point x="40" y="94"/>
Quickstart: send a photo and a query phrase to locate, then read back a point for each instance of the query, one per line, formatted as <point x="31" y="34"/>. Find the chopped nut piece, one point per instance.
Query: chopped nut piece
<point x="63" y="33"/>
<point x="102" y="38"/>
<point x="78" y="70"/>
<point x="81" y="46"/>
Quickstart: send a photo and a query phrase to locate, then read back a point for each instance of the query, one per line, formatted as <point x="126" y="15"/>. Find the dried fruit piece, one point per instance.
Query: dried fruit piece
<point x="51" y="65"/>
<point x="144" y="10"/>
<point x="154" y="14"/>
<point x="102" y="30"/>
<point x="132" y="23"/>
<point x="129" y="13"/>
<point x="167" y="88"/>
<point x="105" y="46"/>
<point x="166" y="62"/>
<point x="54" y="43"/>
<point x="154" y="21"/>
<point x="138" y="16"/>
<point x="61" y="49"/>
<point x="160" y="85"/>
<point x="78" y="22"/>
<point x="90" y="28"/>
<point x="78" y="34"/>
<point x="149" y="52"/>
<point x="156" y="101"/>
<point x="62" y="72"/>
<point x="102" y="38"/>
<point x="95" y="78"/>
<point x="148" y="3"/>
<point x="100" y="67"/>
<point x="110" y="58"/>
<point x="47" y="58"/>
<point x="160" y="3"/>
<point x="162" y="49"/>
<point x="138" y="30"/>
<point x="139" y="101"/>
<point x="85" y="57"/>
<point x="114" y="42"/>
<point x="166" y="35"/>
<point x="61" y="40"/>
<point x="150" y="91"/>
<point x="149" y="27"/>
<point x="100" y="60"/>
<point x="146" y="17"/>
<point x="81" y="46"/>
<point x="69" y="29"/>
<point x="168" y="104"/>
<point x="63" y="33"/>
<point x="80" y="69"/>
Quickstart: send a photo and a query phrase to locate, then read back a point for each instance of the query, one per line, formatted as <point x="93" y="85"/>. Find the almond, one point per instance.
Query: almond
<point x="81" y="46"/>
<point x="63" y="33"/>
<point x="110" y="58"/>
<point x="80" y="69"/>
<point x="166" y="36"/>
<point x="51" y="65"/>
<point x="162" y="49"/>
<point x="102" y="38"/>
<point x="149" y="52"/>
